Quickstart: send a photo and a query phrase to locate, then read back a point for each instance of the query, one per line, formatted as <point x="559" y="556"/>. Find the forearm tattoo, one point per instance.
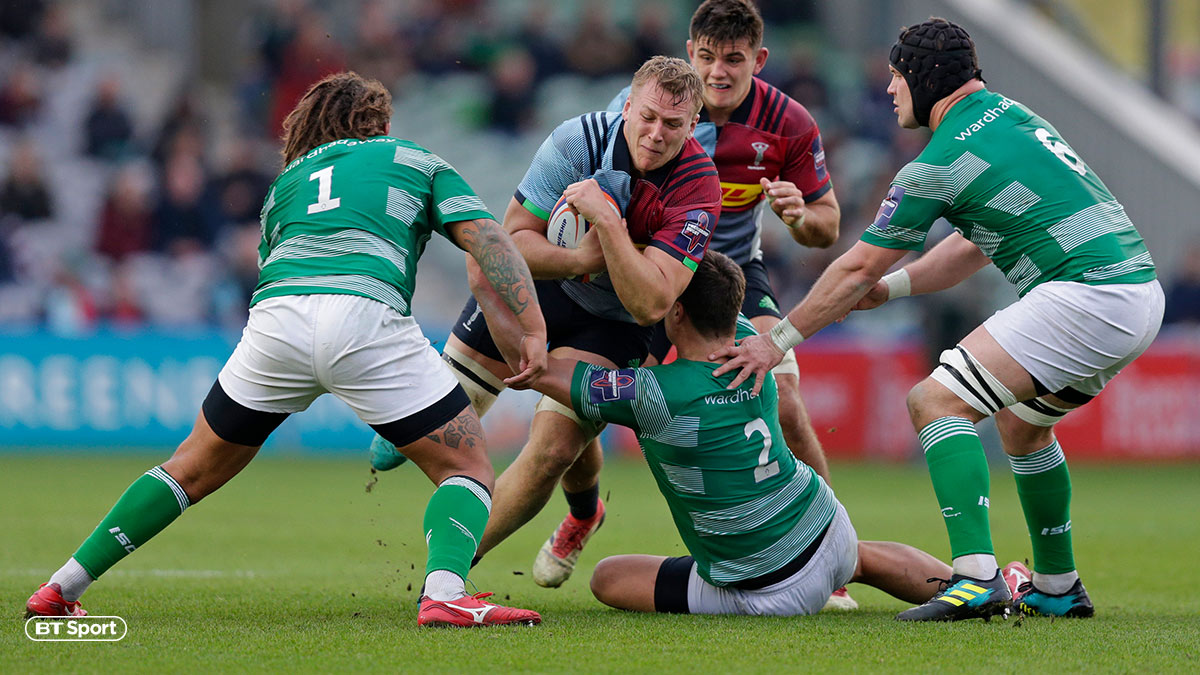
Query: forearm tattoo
<point x="501" y="263"/>
<point x="462" y="431"/>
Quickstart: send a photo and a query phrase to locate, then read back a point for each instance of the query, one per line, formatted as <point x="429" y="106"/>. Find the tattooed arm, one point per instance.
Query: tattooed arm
<point x="503" y="286"/>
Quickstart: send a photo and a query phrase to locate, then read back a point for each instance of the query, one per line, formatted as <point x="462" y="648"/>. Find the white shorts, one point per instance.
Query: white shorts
<point x="1068" y="334"/>
<point x="295" y="348"/>
<point x="805" y="592"/>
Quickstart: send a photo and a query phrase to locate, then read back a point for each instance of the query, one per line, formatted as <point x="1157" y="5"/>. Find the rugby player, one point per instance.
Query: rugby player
<point x="768" y="152"/>
<point x="1019" y="196"/>
<point x="644" y="157"/>
<point x="765" y="533"/>
<point x="342" y="228"/>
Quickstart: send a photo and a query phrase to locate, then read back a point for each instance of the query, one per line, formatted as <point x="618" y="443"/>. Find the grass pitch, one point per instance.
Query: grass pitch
<point x="296" y="566"/>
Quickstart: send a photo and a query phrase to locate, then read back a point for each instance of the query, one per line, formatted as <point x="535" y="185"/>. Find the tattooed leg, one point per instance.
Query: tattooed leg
<point x="457" y="448"/>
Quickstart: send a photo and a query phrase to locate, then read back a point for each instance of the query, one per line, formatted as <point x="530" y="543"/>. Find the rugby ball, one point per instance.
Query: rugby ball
<point x="566" y="227"/>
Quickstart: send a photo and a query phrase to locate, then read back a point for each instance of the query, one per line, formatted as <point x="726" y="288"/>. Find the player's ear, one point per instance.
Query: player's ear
<point x="387" y="129"/>
<point x="760" y="59"/>
<point x="690" y="50"/>
<point x="625" y="108"/>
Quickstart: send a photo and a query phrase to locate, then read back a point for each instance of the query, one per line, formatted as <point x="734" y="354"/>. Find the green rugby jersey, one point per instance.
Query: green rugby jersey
<point x="743" y="505"/>
<point x="352" y="217"/>
<point x="1007" y="181"/>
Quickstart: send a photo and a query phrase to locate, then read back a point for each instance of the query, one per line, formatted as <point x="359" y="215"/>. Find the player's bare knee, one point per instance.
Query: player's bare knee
<point x="1019" y="437"/>
<point x="604" y="577"/>
<point x="920" y="398"/>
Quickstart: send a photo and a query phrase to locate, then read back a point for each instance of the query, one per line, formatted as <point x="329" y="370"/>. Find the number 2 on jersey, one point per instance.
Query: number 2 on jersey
<point x="324" y="179"/>
<point x="764" y="470"/>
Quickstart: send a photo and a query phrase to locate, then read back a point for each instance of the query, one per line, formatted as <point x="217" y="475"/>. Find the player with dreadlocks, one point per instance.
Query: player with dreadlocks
<point x="1018" y="196"/>
<point x="342" y="228"/>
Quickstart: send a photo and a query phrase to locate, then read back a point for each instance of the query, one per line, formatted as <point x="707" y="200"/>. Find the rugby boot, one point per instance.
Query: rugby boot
<point x="384" y="455"/>
<point x="471" y="611"/>
<point x="840" y="599"/>
<point x="556" y="560"/>
<point x="1075" y="603"/>
<point x="48" y="601"/>
<point x="963" y="598"/>
<point x="1018" y="578"/>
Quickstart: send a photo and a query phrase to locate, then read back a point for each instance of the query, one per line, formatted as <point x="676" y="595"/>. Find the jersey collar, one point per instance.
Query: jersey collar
<point x="741" y="115"/>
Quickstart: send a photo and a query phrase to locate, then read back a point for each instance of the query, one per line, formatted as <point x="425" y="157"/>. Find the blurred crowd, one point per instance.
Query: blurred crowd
<point x="109" y="220"/>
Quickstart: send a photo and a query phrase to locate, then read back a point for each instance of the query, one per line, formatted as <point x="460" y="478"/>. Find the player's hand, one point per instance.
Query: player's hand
<point x="589" y="254"/>
<point x="786" y="200"/>
<point x="532" y="364"/>
<point x="874" y="297"/>
<point x="590" y="201"/>
<point x="754" y="355"/>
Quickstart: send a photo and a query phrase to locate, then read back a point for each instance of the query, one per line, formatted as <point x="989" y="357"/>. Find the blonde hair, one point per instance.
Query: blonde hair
<point x="675" y="77"/>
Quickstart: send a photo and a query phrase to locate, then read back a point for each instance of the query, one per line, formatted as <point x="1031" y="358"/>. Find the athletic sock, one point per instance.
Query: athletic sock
<point x="583" y="505"/>
<point x="72" y="579"/>
<point x="959" y="471"/>
<point x="1044" y="486"/>
<point x="442" y="585"/>
<point x="454" y="522"/>
<point x="981" y="566"/>
<point x="1055" y="584"/>
<point x="151" y="502"/>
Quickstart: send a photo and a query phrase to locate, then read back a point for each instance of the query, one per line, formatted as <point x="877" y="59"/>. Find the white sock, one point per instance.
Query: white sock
<point x="1055" y="584"/>
<point x="73" y="579"/>
<point x="444" y="585"/>
<point x="981" y="566"/>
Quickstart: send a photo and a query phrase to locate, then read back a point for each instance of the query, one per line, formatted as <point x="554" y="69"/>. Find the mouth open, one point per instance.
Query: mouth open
<point x="720" y="87"/>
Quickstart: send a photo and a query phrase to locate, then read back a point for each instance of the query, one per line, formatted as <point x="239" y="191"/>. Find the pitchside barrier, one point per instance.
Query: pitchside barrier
<point x="111" y="390"/>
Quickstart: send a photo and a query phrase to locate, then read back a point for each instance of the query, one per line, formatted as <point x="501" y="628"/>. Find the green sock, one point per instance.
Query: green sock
<point x="151" y="503"/>
<point x="454" y="522"/>
<point x="1044" y="485"/>
<point x="959" y="472"/>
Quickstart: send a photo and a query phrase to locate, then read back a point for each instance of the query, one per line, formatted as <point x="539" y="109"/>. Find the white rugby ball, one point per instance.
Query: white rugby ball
<point x="566" y="227"/>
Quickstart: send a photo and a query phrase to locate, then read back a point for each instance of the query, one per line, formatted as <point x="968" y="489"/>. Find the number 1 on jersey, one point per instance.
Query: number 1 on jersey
<point x="324" y="179"/>
<point x="764" y="470"/>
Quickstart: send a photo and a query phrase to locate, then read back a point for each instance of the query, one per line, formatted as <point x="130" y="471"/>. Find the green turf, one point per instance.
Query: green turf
<point x="295" y="566"/>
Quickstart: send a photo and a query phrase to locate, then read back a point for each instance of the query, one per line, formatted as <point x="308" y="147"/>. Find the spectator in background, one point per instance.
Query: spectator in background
<point x="650" y="33"/>
<point x="309" y="56"/>
<point x="1183" y="295"/>
<point x="511" y="105"/>
<point x="804" y="83"/>
<point x="378" y="52"/>
<point x="598" y="48"/>
<point x="108" y="129"/>
<point x="20" y="96"/>
<point x="182" y="125"/>
<point x="534" y="35"/>
<point x="126" y="219"/>
<point x="52" y="46"/>
<point x="243" y="187"/>
<point x="186" y="219"/>
<point x="24" y="194"/>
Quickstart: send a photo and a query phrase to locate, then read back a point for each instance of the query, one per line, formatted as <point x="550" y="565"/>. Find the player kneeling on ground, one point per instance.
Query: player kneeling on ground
<point x="765" y="532"/>
<point x="331" y="314"/>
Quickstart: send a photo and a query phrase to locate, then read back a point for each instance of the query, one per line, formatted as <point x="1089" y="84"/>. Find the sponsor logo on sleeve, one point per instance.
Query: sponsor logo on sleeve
<point x="818" y="153"/>
<point x="883" y="217"/>
<point x="693" y="238"/>
<point x="607" y="386"/>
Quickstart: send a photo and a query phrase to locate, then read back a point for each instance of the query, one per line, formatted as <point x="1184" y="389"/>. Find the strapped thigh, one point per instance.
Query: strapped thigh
<point x="962" y="374"/>
<point x="589" y="428"/>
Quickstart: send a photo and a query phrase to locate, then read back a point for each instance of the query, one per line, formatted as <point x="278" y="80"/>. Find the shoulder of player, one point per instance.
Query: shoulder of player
<point x="779" y="114"/>
<point x="694" y="166"/>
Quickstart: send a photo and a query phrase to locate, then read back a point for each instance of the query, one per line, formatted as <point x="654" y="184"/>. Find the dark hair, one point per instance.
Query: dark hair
<point x="722" y="21"/>
<point x="713" y="298"/>
<point x="675" y="77"/>
<point x="342" y="105"/>
<point x="936" y="57"/>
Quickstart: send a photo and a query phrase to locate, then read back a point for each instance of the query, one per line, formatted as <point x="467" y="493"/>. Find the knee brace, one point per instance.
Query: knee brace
<point x="959" y="372"/>
<point x="1039" y="412"/>
<point x="788" y="366"/>
<point x="480" y="384"/>
<point x="589" y="428"/>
